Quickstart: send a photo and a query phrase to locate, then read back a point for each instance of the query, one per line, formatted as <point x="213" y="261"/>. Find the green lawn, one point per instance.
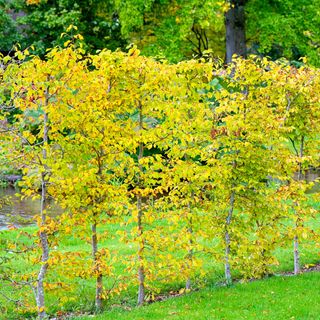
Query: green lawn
<point x="275" y="298"/>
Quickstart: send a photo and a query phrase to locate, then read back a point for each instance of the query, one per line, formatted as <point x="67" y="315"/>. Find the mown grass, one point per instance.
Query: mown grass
<point x="276" y="298"/>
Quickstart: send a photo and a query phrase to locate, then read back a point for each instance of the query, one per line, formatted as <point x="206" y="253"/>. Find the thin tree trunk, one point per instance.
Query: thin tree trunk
<point x="98" y="299"/>
<point x="190" y="251"/>
<point x="141" y="272"/>
<point x="96" y="259"/>
<point x="190" y="257"/>
<point x="40" y="297"/>
<point x="227" y="239"/>
<point x="235" y="29"/>
<point x="296" y="253"/>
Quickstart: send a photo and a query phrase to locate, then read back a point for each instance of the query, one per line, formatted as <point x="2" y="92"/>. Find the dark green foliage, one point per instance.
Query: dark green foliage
<point x="179" y="29"/>
<point x="285" y="28"/>
<point x="45" y="22"/>
<point x="171" y="29"/>
<point x="8" y="28"/>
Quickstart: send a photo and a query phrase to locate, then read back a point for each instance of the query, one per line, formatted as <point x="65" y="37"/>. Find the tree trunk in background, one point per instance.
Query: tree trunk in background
<point x="235" y="29"/>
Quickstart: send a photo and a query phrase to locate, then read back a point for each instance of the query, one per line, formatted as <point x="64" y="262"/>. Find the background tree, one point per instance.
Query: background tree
<point x="174" y="29"/>
<point x="245" y="24"/>
<point x="235" y="28"/>
<point x="9" y="34"/>
<point x="40" y="23"/>
<point x="284" y="29"/>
